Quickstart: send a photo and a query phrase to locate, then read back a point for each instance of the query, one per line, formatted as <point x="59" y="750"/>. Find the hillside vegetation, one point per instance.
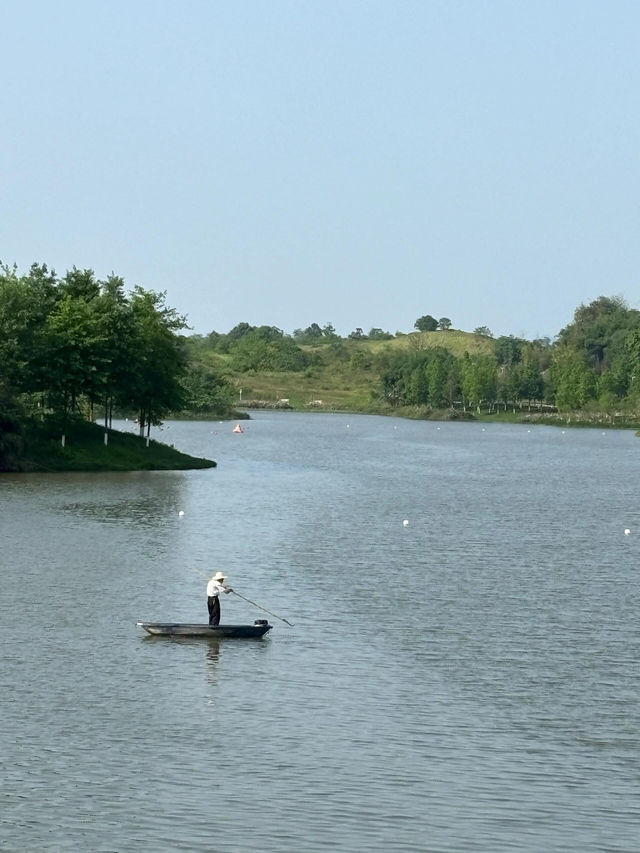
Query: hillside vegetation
<point x="589" y="374"/>
<point x="342" y="374"/>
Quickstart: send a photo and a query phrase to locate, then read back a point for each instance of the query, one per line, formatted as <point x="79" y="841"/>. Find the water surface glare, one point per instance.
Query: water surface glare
<point x="466" y="682"/>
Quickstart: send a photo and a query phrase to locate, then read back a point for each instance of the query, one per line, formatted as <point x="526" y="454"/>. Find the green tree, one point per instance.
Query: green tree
<point x="508" y="387"/>
<point x="632" y="361"/>
<point x="239" y="331"/>
<point x="426" y="323"/>
<point x="287" y="355"/>
<point x="417" y="387"/>
<point x="25" y="302"/>
<point x="573" y="383"/>
<point x="67" y="359"/>
<point x="117" y="334"/>
<point x="437" y="376"/>
<point x="599" y="331"/>
<point x="14" y="322"/>
<point x="313" y="331"/>
<point x="421" y="377"/>
<point x="531" y="384"/>
<point x="614" y="383"/>
<point x="158" y="360"/>
<point x="508" y="350"/>
<point x="377" y="334"/>
<point x="479" y="379"/>
<point x="80" y="284"/>
<point x="205" y="392"/>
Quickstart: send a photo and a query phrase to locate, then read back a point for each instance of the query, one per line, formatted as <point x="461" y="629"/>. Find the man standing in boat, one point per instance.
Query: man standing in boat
<point x="214" y="588"/>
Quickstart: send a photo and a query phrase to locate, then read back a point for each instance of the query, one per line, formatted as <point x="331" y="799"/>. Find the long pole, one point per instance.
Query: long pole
<point x="259" y="606"/>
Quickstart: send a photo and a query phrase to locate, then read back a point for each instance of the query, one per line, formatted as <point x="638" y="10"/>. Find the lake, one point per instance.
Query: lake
<point x="467" y="681"/>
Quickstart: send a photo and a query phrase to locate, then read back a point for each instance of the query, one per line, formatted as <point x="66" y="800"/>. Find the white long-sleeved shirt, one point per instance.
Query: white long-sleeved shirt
<point x="214" y="588"/>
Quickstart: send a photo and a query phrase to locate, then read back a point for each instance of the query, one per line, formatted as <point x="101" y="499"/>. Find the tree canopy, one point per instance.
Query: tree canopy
<point x="426" y="323"/>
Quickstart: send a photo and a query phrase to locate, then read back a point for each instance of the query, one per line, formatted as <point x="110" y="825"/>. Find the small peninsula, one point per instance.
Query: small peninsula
<point x="38" y="449"/>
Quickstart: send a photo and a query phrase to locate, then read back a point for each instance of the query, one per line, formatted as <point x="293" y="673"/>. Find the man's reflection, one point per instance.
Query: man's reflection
<point x="213" y="659"/>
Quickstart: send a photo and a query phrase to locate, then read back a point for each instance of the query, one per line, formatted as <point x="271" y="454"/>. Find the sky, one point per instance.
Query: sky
<point x="363" y="163"/>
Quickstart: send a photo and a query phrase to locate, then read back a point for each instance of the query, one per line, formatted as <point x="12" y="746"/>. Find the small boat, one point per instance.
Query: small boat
<point x="237" y="429"/>
<point x="185" y="629"/>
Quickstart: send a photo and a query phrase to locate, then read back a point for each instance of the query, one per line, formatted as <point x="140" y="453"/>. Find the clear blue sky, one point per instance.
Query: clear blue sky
<point x="285" y="162"/>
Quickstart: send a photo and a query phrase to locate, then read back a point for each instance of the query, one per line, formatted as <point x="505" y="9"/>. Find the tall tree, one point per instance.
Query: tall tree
<point x="68" y="355"/>
<point x="158" y="361"/>
<point x="116" y="319"/>
<point x="479" y="379"/>
<point x="573" y="383"/>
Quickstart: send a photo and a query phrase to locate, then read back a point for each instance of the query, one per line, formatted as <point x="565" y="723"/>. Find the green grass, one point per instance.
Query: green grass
<point x="85" y="451"/>
<point x="455" y="341"/>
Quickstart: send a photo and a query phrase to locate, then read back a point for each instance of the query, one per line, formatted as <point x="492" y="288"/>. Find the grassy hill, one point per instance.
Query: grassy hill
<point x="343" y="375"/>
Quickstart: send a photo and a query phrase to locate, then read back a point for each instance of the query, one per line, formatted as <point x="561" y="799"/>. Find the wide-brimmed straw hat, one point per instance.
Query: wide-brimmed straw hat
<point x="219" y="576"/>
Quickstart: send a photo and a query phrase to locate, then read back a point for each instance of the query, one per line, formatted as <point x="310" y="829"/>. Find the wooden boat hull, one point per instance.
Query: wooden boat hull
<point x="183" y="629"/>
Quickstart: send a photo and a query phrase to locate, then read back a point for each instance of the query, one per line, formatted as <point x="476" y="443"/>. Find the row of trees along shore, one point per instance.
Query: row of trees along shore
<point x="77" y="344"/>
<point x="594" y="364"/>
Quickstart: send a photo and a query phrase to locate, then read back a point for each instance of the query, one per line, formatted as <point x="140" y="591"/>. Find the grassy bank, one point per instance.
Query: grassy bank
<point x="39" y="448"/>
<point x="334" y="402"/>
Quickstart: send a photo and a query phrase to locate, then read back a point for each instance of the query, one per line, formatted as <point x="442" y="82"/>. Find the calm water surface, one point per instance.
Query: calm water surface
<point x="468" y="682"/>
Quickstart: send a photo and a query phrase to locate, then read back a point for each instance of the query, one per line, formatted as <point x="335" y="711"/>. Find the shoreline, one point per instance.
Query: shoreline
<point x="576" y="420"/>
<point x="40" y="450"/>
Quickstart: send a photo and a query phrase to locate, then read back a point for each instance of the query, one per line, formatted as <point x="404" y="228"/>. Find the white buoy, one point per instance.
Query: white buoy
<point x="626" y="531"/>
<point x="181" y="512"/>
<point x="405" y="523"/>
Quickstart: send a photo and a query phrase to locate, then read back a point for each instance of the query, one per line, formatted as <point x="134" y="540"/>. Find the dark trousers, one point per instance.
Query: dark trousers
<point x="213" y="603"/>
